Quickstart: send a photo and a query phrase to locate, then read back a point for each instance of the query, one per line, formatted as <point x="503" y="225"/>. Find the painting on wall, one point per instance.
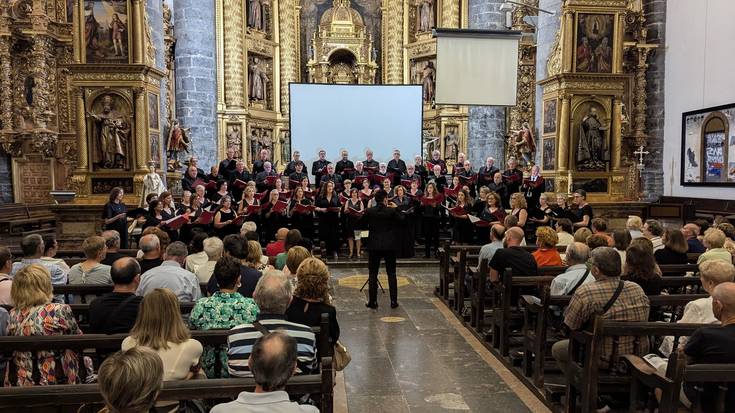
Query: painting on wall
<point x="708" y="147"/>
<point x="153" y="111"/>
<point x="593" y="53"/>
<point x="548" y="154"/>
<point x="106" y="31"/>
<point x="155" y="141"/>
<point x="549" y="116"/>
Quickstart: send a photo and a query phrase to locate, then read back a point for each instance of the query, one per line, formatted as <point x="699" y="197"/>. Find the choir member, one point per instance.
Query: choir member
<point x="214" y="176"/>
<point x="154" y="215"/>
<point x="440" y="181"/>
<point x="415" y="191"/>
<point x="411" y="174"/>
<point x="513" y="176"/>
<point x="299" y="173"/>
<point x="498" y="186"/>
<point x="366" y="192"/>
<point x="346" y="190"/>
<point x="303" y="221"/>
<point x="583" y="211"/>
<point x="228" y="165"/>
<point x="319" y="167"/>
<point x="327" y="208"/>
<point x="261" y="181"/>
<point x="353" y="210"/>
<point x="387" y="187"/>
<point x="330" y="176"/>
<point x="248" y="200"/>
<point x="169" y="207"/>
<point x="437" y="160"/>
<point x="430" y="215"/>
<point x="533" y="187"/>
<point x="259" y="164"/>
<point x="344" y="167"/>
<point x="272" y="220"/>
<point x="307" y="189"/>
<point x="190" y="177"/>
<point x="541" y="216"/>
<point x="459" y="165"/>
<point x="221" y="192"/>
<point x="239" y="174"/>
<point x="486" y="173"/>
<point x="359" y="170"/>
<point x="369" y="162"/>
<point x="194" y="161"/>
<point x="519" y="209"/>
<point x="115" y="215"/>
<point x="493" y="211"/>
<point x="201" y="196"/>
<point x="480" y="201"/>
<point x="291" y="166"/>
<point x="195" y="211"/>
<point x="406" y="235"/>
<point x="561" y="209"/>
<point x="420" y="169"/>
<point x="185" y="203"/>
<point x="283" y="193"/>
<point x="224" y="219"/>
<point x="462" y="231"/>
<point x="397" y="167"/>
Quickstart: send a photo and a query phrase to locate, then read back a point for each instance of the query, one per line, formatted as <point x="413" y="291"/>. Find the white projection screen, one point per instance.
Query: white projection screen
<point x="355" y="118"/>
<point x="476" y="67"/>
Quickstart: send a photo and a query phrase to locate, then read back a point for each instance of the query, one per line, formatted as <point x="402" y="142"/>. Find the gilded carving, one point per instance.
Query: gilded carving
<point x="553" y="63"/>
<point x="233" y="62"/>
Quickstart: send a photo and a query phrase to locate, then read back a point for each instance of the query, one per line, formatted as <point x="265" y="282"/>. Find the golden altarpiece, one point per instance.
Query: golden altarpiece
<point x="594" y="99"/>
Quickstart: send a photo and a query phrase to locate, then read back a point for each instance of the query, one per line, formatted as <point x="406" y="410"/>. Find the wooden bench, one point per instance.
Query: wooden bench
<point x="16" y="218"/>
<point x="85" y="290"/>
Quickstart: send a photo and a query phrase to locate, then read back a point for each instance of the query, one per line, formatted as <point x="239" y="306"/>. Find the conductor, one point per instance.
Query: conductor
<point x="381" y="222"/>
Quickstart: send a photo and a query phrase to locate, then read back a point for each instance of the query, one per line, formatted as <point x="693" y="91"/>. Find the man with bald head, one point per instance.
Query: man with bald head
<point x="116" y="312"/>
<point x="512" y="256"/>
<point x="279" y="245"/>
<point x="487" y="252"/>
<point x="691" y="233"/>
<point x="150" y="245"/>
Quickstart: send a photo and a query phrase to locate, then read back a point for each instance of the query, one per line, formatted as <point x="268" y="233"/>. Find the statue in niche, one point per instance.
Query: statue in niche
<point x="152" y="183"/>
<point x="258" y="81"/>
<point x="451" y="144"/>
<point x="112" y="135"/>
<point x="286" y="145"/>
<point x="178" y="141"/>
<point x="266" y="142"/>
<point x="428" y="81"/>
<point x="256" y="13"/>
<point x="425" y="15"/>
<point x="523" y="144"/>
<point x="28" y="87"/>
<point x="592" y="150"/>
<point x="234" y="138"/>
<point x="254" y="144"/>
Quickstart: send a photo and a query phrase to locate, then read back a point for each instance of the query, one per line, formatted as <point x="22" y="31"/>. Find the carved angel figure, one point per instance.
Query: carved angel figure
<point x="178" y="141"/>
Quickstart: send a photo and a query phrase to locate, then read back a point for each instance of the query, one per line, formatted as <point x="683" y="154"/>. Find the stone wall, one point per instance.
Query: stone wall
<point x="6" y="180"/>
<point x="653" y="174"/>
<point x="486" y="123"/>
<point x="196" y="84"/>
<point x="548" y="26"/>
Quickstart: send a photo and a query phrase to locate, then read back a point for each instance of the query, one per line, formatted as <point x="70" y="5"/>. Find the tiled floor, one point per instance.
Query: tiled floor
<point x="418" y="360"/>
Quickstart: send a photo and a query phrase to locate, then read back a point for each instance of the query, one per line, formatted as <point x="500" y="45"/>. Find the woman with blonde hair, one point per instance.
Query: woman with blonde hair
<point x="294" y="258"/>
<point x="311" y="298"/>
<point x="581" y="235"/>
<point x="159" y="326"/>
<point x="546" y="255"/>
<point x="130" y="381"/>
<point x="519" y="208"/>
<point x="35" y="315"/>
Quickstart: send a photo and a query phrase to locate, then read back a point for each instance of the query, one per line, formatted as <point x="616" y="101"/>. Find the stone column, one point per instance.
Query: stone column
<point x="142" y="148"/>
<point x="287" y="49"/>
<point x="196" y="93"/>
<point x="563" y="162"/>
<point x="138" y="36"/>
<point x="393" y="42"/>
<point x="82" y="147"/>
<point x="486" y="136"/>
<point x="653" y="174"/>
<point x="546" y="32"/>
<point x="234" y="60"/>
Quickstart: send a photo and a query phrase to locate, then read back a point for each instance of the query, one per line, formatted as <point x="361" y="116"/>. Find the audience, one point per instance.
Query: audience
<point x="520" y="261"/>
<point x="91" y="270"/>
<point x="564" y="229"/>
<point x="598" y="240"/>
<point x="33" y="247"/>
<point x="273" y="296"/>
<point x="653" y="230"/>
<point x="640" y="266"/>
<point x="691" y="233"/>
<point x="50" y="249"/>
<point x="577" y="272"/>
<point x="172" y="276"/>
<point x="599" y="227"/>
<point x="634" y="225"/>
<point x="197" y="256"/>
<point x="225" y="309"/>
<point x="279" y="245"/>
<point x="130" y="381"/>
<point x="293" y="237"/>
<point x="311" y="298"/>
<point x="273" y="361"/>
<point x="714" y="241"/>
<point x="546" y="255"/>
<point x="35" y="315"/>
<point x="214" y="249"/>
<point x="116" y="312"/>
<point x="582" y="234"/>
<point x="248" y="226"/>
<point x="295" y="257"/>
<point x="497" y="233"/>
<point x="6" y="283"/>
<point x="674" y="250"/>
<point x="622" y="239"/>
<point x="150" y="245"/>
<point x="599" y="297"/>
<point x="112" y="241"/>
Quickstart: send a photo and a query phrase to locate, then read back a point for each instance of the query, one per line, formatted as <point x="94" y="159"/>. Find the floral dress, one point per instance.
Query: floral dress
<point x="44" y="320"/>
<point x="221" y="311"/>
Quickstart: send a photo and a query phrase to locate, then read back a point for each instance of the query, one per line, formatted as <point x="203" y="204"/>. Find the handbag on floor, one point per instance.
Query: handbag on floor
<point x="342" y="356"/>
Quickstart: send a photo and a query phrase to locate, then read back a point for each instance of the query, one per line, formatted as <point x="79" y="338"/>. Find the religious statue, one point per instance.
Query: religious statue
<point x="523" y="144"/>
<point x="428" y="81"/>
<point x="112" y="135"/>
<point x="265" y="141"/>
<point x="234" y="137"/>
<point x="592" y="150"/>
<point x="117" y="29"/>
<point x="258" y="81"/>
<point x="254" y="143"/>
<point x="256" y="15"/>
<point x="152" y="183"/>
<point x="178" y="141"/>
<point x="286" y="145"/>
<point x="425" y="14"/>
<point x="451" y="144"/>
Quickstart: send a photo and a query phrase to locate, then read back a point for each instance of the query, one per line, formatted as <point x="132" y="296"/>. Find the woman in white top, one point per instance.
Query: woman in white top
<point x="91" y="271"/>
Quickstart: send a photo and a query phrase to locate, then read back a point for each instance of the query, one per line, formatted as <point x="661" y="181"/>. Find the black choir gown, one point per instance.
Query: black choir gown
<point x="255" y="216"/>
<point x="462" y="231"/>
<point x="272" y="222"/>
<point x="229" y="228"/>
<point x="329" y="223"/>
<point x="304" y="222"/>
<point x="121" y="225"/>
<point x="405" y="233"/>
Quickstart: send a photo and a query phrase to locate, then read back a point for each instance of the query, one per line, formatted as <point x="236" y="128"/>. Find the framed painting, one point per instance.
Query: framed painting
<point x="106" y="31"/>
<point x="155" y="141"/>
<point x="153" y="111"/>
<point x="548" y="154"/>
<point x="593" y="51"/>
<point x="708" y="147"/>
<point x="549" y="117"/>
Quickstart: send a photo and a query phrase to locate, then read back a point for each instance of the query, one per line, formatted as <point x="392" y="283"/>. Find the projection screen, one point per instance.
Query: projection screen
<point x="476" y="67"/>
<point x="355" y="118"/>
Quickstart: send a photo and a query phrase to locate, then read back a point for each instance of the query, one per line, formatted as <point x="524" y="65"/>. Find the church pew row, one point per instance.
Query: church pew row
<point x="85" y="292"/>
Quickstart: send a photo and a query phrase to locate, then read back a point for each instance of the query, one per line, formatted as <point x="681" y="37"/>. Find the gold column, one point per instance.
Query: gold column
<point x="6" y="86"/>
<point x="617" y="138"/>
<point x="450" y="14"/>
<point x="564" y="138"/>
<point x="287" y="50"/>
<point x="234" y="60"/>
<point x="141" y="134"/>
<point x="83" y="151"/>
<point x="77" y="34"/>
<point x="137" y="17"/>
<point x="393" y="44"/>
<point x="568" y="41"/>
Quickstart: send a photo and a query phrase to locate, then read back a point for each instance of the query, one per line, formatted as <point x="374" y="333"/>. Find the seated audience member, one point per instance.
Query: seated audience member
<point x="653" y="230"/>
<point x="630" y="304"/>
<point x="509" y="222"/>
<point x="255" y="258"/>
<point x="564" y="231"/>
<point x="712" y="274"/>
<point x="546" y="254"/>
<point x="91" y="270"/>
<point x="691" y="233"/>
<point x="50" y="249"/>
<point x="4" y="319"/>
<point x="159" y="327"/>
<point x="634" y="225"/>
<point x="6" y="283"/>
<point x="223" y="310"/>
<point x="582" y="234"/>
<point x="640" y="267"/>
<point x="116" y="312"/>
<point x="497" y="233"/>
<point x="622" y="239"/>
<point x="130" y="381"/>
<point x="248" y="226"/>
<point x="112" y="241"/>
<point x="311" y="298"/>
<point x="674" y="250"/>
<point x="599" y="227"/>
<point x="512" y="256"/>
<point x="702" y="225"/>
<point x="273" y="361"/>
<point x="714" y="241"/>
<point x="295" y="257"/>
<point x="577" y="272"/>
<point x="35" y="315"/>
<point x="214" y="248"/>
<point x="597" y="240"/>
<point x="171" y="275"/>
<point x="33" y="247"/>
<point x="293" y="237"/>
<point x="279" y="245"/>
<point x="162" y="235"/>
<point x="273" y="295"/>
<point x="714" y="345"/>
<point x="197" y="257"/>
<point x="729" y="231"/>
<point x="249" y="254"/>
<point x="151" y="247"/>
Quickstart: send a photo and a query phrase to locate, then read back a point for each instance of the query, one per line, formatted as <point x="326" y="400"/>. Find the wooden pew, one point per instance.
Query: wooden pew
<point x="15" y="218"/>
<point x="83" y="290"/>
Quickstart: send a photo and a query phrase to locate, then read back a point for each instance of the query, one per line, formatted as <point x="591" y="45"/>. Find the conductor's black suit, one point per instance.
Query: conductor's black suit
<point x="382" y="223"/>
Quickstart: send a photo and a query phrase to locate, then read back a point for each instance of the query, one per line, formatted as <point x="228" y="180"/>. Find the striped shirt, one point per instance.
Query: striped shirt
<point x="242" y="338"/>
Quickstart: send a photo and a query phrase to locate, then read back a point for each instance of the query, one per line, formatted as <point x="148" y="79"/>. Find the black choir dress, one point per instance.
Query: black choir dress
<point x="350" y="221"/>
<point x="255" y="216"/>
<point x="430" y="216"/>
<point x="121" y="225"/>
<point x="462" y="231"/>
<point x="165" y="216"/>
<point x="272" y="222"/>
<point x="329" y="223"/>
<point x="229" y="228"/>
<point x="304" y="222"/>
